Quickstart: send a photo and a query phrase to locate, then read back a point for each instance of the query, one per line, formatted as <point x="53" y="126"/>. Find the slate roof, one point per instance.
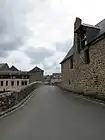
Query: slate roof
<point x="90" y="26"/>
<point x="69" y="54"/>
<point x="101" y="25"/>
<point x="5" y="70"/>
<point x="36" y="69"/>
<point x="13" y="68"/>
<point x="56" y="74"/>
<point x="93" y="33"/>
<point x="4" y="66"/>
<point x="9" y="72"/>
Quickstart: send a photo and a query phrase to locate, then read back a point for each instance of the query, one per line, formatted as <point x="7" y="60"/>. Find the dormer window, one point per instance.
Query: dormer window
<point x="85" y="42"/>
<point x="81" y="38"/>
<point x="85" y="36"/>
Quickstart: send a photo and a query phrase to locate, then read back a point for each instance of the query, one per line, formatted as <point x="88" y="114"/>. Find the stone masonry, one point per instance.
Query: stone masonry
<point x="86" y="78"/>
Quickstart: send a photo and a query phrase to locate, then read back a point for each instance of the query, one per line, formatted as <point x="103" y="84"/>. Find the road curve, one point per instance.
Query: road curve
<point x="53" y="115"/>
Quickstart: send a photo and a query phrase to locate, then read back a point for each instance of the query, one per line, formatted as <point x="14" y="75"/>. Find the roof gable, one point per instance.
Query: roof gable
<point x="13" y="68"/>
<point x="4" y="66"/>
<point x="93" y="33"/>
<point x="36" y="69"/>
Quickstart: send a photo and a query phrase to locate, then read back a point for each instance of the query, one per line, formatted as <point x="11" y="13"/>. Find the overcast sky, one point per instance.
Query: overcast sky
<point x="40" y="32"/>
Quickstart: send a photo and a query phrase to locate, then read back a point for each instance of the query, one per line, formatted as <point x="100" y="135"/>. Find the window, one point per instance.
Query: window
<point x="6" y="83"/>
<point x="1" y="77"/>
<point x="85" y="42"/>
<point x="12" y="83"/>
<point x="1" y="83"/>
<point x="10" y="77"/>
<point x="86" y="56"/>
<point x="83" y="39"/>
<point x="25" y="82"/>
<point x="71" y="62"/>
<point x="17" y="83"/>
<point x="25" y="77"/>
<point x="69" y="82"/>
<point x="13" y="77"/>
<point x="22" y="83"/>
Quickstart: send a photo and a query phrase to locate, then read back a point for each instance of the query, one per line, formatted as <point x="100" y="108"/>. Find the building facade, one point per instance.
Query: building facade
<point x="83" y="68"/>
<point x="36" y="74"/>
<point x="47" y="79"/>
<point x="12" y="79"/>
<point x="55" y="78"/>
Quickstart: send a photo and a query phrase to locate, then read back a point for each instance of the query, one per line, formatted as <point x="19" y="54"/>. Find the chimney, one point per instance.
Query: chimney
<point x="77" y="23"/>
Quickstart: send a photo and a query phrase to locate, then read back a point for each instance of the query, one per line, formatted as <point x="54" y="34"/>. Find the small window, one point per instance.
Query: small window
<point x="25" y="82"/>
<point x="71" y="62"/>
<point x="14" y="77"/>
<point x="6" y="83"/>
<point x="69" y="82"/>
<point x="12" y="83"/>
<point x="85" y="42"/>
<point x="11" y="77"/>
<point x="23" y="77"/>
<point x="22" y="83"/>
<point x="17" y="83"/>
<point x="2" y="83"/>
<point x="1" y="76"/>
<point x="86" y="56"/>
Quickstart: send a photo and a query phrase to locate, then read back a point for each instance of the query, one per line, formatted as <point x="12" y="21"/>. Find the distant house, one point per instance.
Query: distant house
<point x="14" y="79"/>
<point x="83" y="68"/>
<point x="55" y="78"/>
<point x="36" y="74"/>
<point x="47" y="79"/>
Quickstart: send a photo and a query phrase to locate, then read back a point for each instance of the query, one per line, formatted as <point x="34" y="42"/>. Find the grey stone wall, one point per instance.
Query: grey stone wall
<point x="37" y="76"/>
<point x="87" y="78"/>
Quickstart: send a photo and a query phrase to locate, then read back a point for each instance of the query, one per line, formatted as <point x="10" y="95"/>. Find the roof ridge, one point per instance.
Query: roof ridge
<point x="91" y="26"/>
<point x="36" y="69"/>
<point x="13" y="68"/>
<point x="100" y="22"/>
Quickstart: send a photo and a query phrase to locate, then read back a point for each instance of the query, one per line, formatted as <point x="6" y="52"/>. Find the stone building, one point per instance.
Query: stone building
<point x="36" y="74"/>
<point x="14" y="79"/>
<point x="83" y="68"/>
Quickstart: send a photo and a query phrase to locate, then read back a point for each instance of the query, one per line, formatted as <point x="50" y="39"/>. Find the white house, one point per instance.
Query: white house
<point x="12" y="78"/>
<point x="55" y="78"/>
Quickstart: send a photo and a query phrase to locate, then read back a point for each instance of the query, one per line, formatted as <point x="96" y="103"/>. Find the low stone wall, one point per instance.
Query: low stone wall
<point x="10" y="99"/>
<point x="88" y="94"/>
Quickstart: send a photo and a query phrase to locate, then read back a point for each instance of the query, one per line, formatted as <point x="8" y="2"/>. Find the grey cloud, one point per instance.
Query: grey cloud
<point x="3" y="54"/>
<point x="63" y="46"/>
<point x="13" y="31"/>
<point x="55" y="67"/>
<point x="39" y="54"/>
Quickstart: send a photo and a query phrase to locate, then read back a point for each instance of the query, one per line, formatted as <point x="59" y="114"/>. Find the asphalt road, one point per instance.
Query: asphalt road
<point x="54" y="115"/>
